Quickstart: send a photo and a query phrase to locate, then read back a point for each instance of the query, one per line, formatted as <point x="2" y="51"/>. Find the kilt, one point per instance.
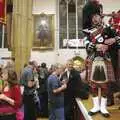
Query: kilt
<point x="119" y="64"/>
<point x="109" y="69"/>
<point x="95" y="86"/>
<point x="118" y="70"/>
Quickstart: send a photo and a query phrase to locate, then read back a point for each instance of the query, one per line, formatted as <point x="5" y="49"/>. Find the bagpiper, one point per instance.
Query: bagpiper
<point x="100" y="42"/>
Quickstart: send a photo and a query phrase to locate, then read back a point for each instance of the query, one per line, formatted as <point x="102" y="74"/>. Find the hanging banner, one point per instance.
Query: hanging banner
<point x="3" y="11"/>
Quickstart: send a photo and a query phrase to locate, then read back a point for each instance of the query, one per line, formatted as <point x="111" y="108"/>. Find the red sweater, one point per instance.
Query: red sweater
<point x="115" y="22"/>
<point x="15" y="94"/>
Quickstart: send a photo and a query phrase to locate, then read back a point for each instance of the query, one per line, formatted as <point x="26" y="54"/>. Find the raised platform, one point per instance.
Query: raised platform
<point x="42" y="118"/>
<point x="86" y="105"/>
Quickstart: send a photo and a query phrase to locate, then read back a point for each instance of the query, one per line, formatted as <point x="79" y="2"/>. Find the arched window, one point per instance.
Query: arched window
<point x="70" y="20"/>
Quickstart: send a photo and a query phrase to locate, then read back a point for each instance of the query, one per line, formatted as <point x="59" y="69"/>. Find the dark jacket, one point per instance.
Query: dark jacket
<point x="75" y="86"/>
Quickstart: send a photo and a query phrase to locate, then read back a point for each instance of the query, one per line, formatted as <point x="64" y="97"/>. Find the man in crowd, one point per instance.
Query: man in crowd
<point x="42" y="77"/>
<point x="28" y="83"/>
<point x="100" y="45"/>
<point x="55" y="95"/>
<point x="72" y="78"/>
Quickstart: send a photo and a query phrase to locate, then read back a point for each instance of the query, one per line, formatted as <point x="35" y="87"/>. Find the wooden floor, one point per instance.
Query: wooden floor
<point x="114" y="111"/>
<point x="42" y="119"/>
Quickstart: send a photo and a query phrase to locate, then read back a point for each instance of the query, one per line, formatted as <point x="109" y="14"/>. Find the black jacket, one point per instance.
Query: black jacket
<point x="75" y="86"/>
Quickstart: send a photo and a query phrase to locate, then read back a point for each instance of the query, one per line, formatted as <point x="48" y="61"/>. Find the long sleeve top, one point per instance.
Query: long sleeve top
<point x="15" y="94"/>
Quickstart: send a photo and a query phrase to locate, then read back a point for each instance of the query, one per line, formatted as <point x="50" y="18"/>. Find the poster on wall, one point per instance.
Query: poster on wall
<point x="74" y="43"/>
<point x="43" y="32"/>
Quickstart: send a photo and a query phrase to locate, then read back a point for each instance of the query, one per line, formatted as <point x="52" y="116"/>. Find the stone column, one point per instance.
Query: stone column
<point x="22" y="32"/>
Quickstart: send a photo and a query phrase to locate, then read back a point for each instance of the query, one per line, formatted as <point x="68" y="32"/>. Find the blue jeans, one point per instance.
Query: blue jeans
<point x="57" y="114"/>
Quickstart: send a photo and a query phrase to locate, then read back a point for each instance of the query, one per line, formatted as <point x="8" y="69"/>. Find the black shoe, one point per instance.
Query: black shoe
<point x="106" y="115"/>
<point x="92" y="113"/>
<point x="110" y="102"/>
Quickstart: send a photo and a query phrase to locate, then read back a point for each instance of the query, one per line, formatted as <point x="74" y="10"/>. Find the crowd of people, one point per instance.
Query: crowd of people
<point x="50" y="90"/>
<point x="39" y="92"/>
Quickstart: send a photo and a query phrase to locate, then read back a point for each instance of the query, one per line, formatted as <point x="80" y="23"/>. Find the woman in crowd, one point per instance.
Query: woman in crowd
<point x="10" y="98"/>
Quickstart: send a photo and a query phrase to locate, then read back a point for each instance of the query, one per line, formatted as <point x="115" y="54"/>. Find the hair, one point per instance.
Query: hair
<point x="43" y="65"/>
<point x="0" y="72"/>
<point x="13" y="59"/>
<point x="25" y="65"/>
<point x="57" y="66"/>
<point x="70" y="61"/>
<point x="96" y="14"/>
<point x="100" y="7"/>
<point x="12" y="78"/>
<point x="31" y="63"/>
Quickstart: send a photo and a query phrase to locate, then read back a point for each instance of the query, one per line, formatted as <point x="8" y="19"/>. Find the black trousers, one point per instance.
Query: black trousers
<point x="68" y="106"/>
<point x="29" y="108"/>
<point x="44" y="104"/>
<point x="8" y="117"/>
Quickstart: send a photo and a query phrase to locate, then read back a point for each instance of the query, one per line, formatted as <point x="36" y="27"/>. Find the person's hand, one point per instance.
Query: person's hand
<point x="64" y="81"/>
<point x="110" y="41"/>
<point x="2" y="97"/>
<point x="102" y="47"/>
<point x="64" y="86"/>
<point x="99" y="47"/>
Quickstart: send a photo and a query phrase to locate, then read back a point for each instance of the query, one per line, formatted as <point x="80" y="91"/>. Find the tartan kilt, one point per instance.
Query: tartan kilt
<point x="118" y="70"/>
<point x="109" y="68"/>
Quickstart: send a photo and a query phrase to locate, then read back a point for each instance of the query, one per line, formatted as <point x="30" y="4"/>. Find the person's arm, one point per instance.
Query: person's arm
<point x="56" y="88"/>
<point x="7" y="99"/>
<point x="113" y="36"/>
<point x="60" y="89"/>
<point x="17" y="96"/>
<point x="15" y="99"/>
<point x="90" y="47"/>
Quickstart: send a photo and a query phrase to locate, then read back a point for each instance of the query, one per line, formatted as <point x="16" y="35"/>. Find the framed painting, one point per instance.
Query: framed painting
<point x="43" y="32"/>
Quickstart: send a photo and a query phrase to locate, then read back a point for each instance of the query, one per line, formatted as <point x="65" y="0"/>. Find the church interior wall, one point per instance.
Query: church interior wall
<point x="61" y="55"/>
<point x="109" y="6"/>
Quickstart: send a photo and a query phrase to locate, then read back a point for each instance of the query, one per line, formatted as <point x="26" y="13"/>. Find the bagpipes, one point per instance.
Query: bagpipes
<point x="98" y="35"/>
<point x="95" y="34"/>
